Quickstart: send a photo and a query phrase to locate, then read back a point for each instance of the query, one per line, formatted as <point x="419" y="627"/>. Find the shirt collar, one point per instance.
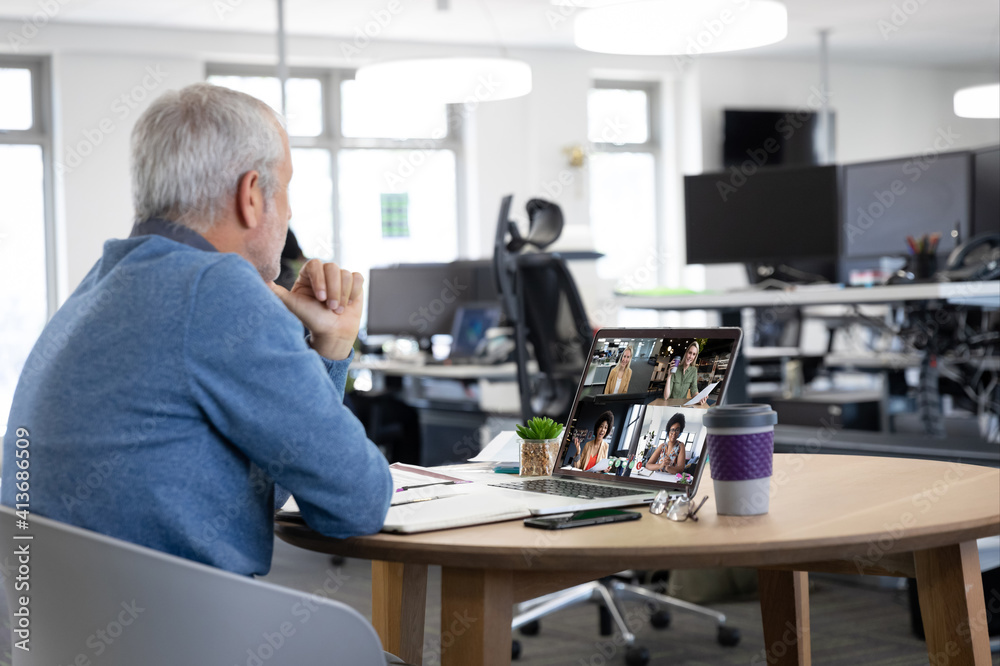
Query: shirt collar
<point x="158" y="226"/>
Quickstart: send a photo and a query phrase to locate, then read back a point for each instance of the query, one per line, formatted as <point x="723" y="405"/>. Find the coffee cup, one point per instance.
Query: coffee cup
<point x="740" y="440"/>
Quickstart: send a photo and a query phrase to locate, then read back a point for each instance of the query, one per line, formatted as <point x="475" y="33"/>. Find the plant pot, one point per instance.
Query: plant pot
<point x="538" y="456"/>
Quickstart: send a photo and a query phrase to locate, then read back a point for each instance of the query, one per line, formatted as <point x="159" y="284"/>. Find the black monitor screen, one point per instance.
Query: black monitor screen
<point x="986" y="206"/>
<point x="420" y="300"/>
<point x="773" y="138"/>
<point x="772" y="214"/>
<point x="884" y="202"/>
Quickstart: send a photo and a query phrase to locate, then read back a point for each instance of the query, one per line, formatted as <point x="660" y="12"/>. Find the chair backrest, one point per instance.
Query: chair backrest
<point x="119" y="604"/>
<point x="556" y="320"/>
<point x="541" y="301"/>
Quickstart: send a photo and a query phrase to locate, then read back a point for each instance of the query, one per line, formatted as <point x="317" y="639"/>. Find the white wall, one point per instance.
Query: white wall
<point x="880" y="111"/>
<point x="97" y="101"/>
<point x="514" y="146"/>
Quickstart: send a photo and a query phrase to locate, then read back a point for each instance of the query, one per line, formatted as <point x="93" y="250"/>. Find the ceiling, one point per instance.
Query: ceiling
<point x="956" y="33"/>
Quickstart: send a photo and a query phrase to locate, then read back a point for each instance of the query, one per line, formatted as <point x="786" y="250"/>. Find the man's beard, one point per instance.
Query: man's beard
<point x="266" y="253"/>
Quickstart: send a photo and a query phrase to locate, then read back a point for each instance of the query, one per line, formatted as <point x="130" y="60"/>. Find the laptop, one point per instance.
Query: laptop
<point x="616" y="437"/>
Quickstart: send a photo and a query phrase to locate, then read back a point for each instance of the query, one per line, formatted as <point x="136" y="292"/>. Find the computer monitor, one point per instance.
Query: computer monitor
<point x="420" y="300"/>
<point x="773" y="137"/>
<point x="986" y="191"/>
<point x="771" y="215"/>
<point x="886" y="201"/>
<point x="469" y="329"/>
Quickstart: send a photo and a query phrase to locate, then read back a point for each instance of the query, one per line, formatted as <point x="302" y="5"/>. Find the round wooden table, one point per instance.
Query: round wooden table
<point x="842" y="514"/>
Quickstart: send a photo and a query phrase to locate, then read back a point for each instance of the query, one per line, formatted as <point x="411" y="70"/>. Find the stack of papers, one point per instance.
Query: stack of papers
<point x="505" y="448"/>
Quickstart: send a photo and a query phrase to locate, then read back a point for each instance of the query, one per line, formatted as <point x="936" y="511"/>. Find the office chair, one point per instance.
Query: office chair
<point x="541" y="302"/>
<point x="124" y="604"/>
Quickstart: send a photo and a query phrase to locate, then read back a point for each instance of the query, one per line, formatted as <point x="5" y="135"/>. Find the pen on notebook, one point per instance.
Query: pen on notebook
<point x="424" y="485"/>
<point x="420" y="499"/>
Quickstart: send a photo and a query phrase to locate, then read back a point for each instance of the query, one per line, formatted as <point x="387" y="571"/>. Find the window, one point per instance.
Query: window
<point x="372" y="186"/>
<point x="26" y="260"/>
<point x="623" y="173"/>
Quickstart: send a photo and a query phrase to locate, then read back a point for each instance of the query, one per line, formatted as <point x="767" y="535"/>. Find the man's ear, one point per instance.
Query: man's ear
<point x="249" y="200"/>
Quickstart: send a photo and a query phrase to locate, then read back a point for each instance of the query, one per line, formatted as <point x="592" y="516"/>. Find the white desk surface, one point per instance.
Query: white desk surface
<point x="983" y="294"/>
<point x="438" y="371"/>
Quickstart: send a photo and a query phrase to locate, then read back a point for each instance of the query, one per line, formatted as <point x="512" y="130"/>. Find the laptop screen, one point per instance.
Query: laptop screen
<point x="639" y="408"/>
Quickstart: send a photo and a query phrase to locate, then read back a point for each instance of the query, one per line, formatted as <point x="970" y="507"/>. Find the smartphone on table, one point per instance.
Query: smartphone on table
<point x="562" y="521"/>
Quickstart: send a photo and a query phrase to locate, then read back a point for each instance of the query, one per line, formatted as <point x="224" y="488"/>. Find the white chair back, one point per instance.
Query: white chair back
<point x="91" y="599"/>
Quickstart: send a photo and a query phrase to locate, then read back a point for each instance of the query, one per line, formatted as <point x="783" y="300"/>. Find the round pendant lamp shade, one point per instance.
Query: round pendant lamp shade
<point x="448" y="80"/>
<point x="680" y="27"/>
<point x="978" y="101"/>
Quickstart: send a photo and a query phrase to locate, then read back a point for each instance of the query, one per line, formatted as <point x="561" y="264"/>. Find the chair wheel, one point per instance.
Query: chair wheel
<point x="660" y="619"/>
<point x="636" y="655"/>
<point x="532" y="628"/>
<point x="729" y="636"/>
<point x="515" y="649"/>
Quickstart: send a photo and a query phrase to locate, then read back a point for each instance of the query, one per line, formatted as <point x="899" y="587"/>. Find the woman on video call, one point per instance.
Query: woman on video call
<point x="597" y="448"/>
<point x="682" y="379"/>
<point x="621" y="374"/>
<point x="670" y="457"/>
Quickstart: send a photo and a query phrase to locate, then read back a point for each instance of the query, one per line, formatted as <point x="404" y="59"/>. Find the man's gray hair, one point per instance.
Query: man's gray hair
<point x="191" y="147"/>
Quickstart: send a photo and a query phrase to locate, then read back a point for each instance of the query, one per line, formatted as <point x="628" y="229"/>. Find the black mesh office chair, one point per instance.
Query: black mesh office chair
<point x="541" y="302"/>
<point x="543" y="305"/>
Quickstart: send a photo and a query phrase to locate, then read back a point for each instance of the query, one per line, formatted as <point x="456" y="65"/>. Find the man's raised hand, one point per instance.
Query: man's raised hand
<point x="327" y="300"/>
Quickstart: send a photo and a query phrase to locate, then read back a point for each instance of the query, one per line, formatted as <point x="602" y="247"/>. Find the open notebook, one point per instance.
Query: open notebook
<point x="426" y="500"/>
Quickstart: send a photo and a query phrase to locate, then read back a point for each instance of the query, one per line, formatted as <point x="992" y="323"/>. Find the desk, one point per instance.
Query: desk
<point x="980" y="294"/>
<point x="892" y="517"/>
<point x="436" y="414"/>
<point x="435" y="370"/>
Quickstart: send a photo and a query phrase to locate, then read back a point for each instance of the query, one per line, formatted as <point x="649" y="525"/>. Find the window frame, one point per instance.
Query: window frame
<point x="652" y="146"/>
<point x="332" y="140"/>
<point x="40" y="134"/>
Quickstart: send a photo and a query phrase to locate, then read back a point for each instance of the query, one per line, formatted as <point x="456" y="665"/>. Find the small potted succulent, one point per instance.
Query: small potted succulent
<point x="540" y="438"/>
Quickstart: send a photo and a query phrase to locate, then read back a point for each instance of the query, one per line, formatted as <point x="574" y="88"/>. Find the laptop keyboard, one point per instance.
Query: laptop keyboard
<point x="569" y="488"/>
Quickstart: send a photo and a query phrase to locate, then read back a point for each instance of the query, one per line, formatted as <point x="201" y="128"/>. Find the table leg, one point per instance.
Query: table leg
<point x="784" y="609"/>
<point x="949" y="584"/>
<point x="476" y="611"/>
<point x="399" y="595"/>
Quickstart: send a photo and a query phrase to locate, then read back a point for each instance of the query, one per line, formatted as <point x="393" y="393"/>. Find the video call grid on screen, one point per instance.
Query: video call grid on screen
<point x="641" y="410"/>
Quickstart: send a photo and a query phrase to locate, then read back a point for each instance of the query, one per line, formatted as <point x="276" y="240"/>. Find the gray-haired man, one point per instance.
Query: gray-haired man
<point x="174" y="387"/>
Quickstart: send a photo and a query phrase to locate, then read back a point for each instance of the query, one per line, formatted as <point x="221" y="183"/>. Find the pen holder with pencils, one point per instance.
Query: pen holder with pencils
<point x="922" y="262"/>
<point x="922" y="266"/>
